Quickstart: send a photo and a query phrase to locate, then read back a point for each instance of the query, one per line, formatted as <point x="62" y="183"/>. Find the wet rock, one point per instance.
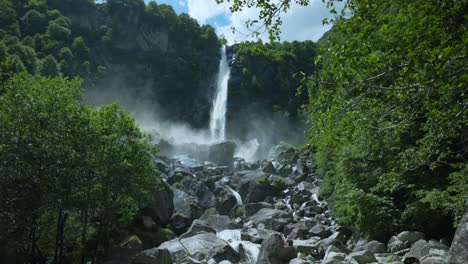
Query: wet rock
<point x="199" y="247"/>
<point x="410" y="236"/>
<point x="271" y="218"/>
<point x="152" y="256"/>
<point x="269" y="168"/>
<point x="218" y="222"/>
<point x="225" y="200"/>
<point x="334" y="252"/>
<point x="222" y="153"/>
<point x="458" y="253"/>
<point x="308" y="246"/>
<point x="161" y="205"/>
<point x="396" y="245"/>
<point x="185" y="203"/>
<point x="274" y="250"/>
<point x="297" y="261"/>
<point x="363" y="257"/>
<point x="422" y="249"/>
<point x="198" y="227"/>
<point x="255" y="235"/>
<point x="252" y="208"/>
<point x="180" y="223"/>
<point x="372" y="246"/>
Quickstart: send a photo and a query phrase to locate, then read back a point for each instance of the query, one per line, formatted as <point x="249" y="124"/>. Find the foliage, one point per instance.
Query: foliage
<point x="388" y="116"/>
<point x="147" y="50"/>
<point x="72" y="176"/>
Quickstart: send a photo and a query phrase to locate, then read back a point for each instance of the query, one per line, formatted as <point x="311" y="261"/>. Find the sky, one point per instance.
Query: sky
<point x="299" y="23"/>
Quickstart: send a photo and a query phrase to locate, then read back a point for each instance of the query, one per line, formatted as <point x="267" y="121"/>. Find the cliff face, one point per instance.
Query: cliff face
<point x="148" y="58"/>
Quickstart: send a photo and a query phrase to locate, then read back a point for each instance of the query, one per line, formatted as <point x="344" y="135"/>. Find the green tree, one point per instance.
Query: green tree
<point x="33" y="22"/>
<point x="79" y="48"/>
<point x="50" y="66"/>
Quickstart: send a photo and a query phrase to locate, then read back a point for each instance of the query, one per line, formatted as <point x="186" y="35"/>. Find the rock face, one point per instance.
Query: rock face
<point x="458" y="253"/>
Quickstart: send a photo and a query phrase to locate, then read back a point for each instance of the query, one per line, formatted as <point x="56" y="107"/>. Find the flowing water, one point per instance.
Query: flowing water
<point x="233" y="237"/>
<point x="218" y="111"/>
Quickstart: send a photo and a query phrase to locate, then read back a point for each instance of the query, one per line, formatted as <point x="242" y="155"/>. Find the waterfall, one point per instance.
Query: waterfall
<point x="218" y="111"/>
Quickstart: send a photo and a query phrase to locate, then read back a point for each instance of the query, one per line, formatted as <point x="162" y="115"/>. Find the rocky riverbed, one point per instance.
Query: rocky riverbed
<point x="267" y="212"/>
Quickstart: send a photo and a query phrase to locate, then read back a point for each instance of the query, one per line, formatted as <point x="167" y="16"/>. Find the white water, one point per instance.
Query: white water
<point x="218" y="111"/>
<point x="233" y="237"/>
<point x="236" y="195"/>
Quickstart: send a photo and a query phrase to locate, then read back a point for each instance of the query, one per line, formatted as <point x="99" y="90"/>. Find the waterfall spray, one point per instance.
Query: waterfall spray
<point x="218" y="111"/>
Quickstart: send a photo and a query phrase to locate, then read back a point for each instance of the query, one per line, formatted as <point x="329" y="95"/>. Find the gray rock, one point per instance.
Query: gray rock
<point x="363" y="257"/>
<point x="252" y="208"/>
<point x="306" y="246"/>
<point x="271" y="218"/>
<point x="274" y="250"/>
<point x="269" y="168"/>
<point x="332" y="261"/>
<point x="297" y="261"/>
<point x="161" y="205"/>
<point x="199" y="247"/>
<point x="396" y="245"/>
<point x="222" y="153"/>
<point x="434" y="260"/>
<point x="458" y="253"/>
<point x="372" y="246"/>
<point x="410" y="236"/>
<point x="255" y="235"/>
<point x="422" y="249"/>
<point x="153" y="256"/>
<point x="198" y="227"/>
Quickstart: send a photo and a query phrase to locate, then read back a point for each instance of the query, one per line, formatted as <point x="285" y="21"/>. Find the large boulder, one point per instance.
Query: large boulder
<point x="153" y="256"/>
<point x="225" y="199"/>
<point x="161" y="205"/>
<point x="275" y="250"/>
<point x="271" y="218"/>
<point x="256" y="186"/>
<point x="200" y="247"/>
<point x="458" y="253"/>
<point x="431" y="251"/>
<point x="363" y="257"/>
<point x="222" y="153"/>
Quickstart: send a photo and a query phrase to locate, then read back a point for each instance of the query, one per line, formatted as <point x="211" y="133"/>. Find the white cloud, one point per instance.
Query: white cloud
<point x="299" y="23"/>
<point x="203" y="10"/>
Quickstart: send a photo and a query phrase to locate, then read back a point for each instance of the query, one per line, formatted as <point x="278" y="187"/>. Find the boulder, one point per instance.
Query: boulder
<point x="161" y="206"/>
<point x="225" y="200"/>
<point x="198" y="227"/>
<point x="269" y="167"/>
<point x="422" y="249"/>
<point x="252" y="208"/>
<point x="458" y="253"/>
<point x="222" y="153"/>
<point x="363" y="257"/>
<point x="306" y="246"/>
<point x="200" y="247"/>
<point x="271" y="218"/>
<point x="255" y="235"/>
<point x="274" y="250"/>
<point x="410" y="236"/>
<point x="153" y="256"/>
<point x="396" y="245"/>
<point x="372" y="246"/>
<point x="297" y="261"/>
<point x="255" y="186"/>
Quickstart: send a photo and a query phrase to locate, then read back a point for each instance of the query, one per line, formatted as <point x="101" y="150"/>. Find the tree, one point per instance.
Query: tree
<point x="79" y="48"/>
<point x="33" y="22"/>
<point x="70" y="174"/>
<point x="50" y="66"/>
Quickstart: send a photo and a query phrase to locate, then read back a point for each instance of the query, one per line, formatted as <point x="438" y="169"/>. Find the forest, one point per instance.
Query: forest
<point x="381" y="101"/>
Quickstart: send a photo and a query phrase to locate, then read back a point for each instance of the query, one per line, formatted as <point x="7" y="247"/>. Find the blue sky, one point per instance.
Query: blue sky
<point x="299" y="23"/>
